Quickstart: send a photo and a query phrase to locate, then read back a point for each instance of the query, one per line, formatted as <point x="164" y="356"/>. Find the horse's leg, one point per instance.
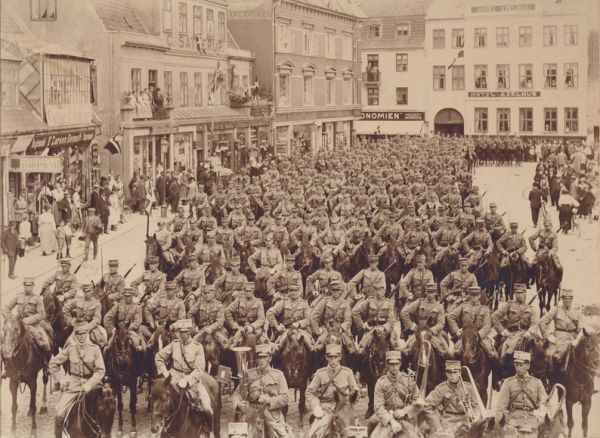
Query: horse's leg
<point x="371" y="394"/>
<point x="302" y="404"/>
<point x="585" y="411"/>
<point x="117" y="390"/>
<point x="132" y="406"/>
<point x="32" y="407"/>
<point x="44" y="409"/>
<point x="570" y="422"/>
<point x="14" y="385"/>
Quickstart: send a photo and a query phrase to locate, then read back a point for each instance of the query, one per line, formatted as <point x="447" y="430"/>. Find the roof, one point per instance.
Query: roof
<point x="217" y="113"/>
<point x="445" y="9"/>
<point x="18" y="120"/>
<point x="231" y="42"/>
<point x="396" y="8"/>
<point x="117" y="15"/>
<point x="58" y="50"/>
<point x="347" y="7"/>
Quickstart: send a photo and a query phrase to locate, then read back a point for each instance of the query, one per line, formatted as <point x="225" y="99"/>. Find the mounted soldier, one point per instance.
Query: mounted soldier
<point x="163" y="311"/>
<point x="245" y="315"/>
<point x="87" y="310"/>
<point x="291" y="312"/>
<point x="548" y="245"/>
<point x="332" y="240"/>
<point x="270" y="261"/>
<point x="65" y="282"/>
<point x="368" y="280"/>
<point x="319" y="282"/>
<point x="129" y="313"/>
<point x="187" y="358"/>
<point x="523" y="399"/>
<point x="512" y="243"/>
<point x="209" y="315"/>
<point x="231" y="283"/>
<point x="85" y="371"/>
<point x="494" y="223"/>
<point x="165" y="240"/>
<point x="466" y="219"/>
<point x="280" y="282"/>
<point x="192" y="278"/>
<point x="445" y="237"/>
<point x="413" y="284"/>
<point x="248" y="233"/>
<point x="375" y="314"/>
<point x="153" y="280"/>
<point x="476" y="242"/>
<point x="212" y="252"/>
<point x="180" y="223"/>
<point x="513" y="320"/>
<point x="460" y="280"/>
<point x="112" y="282"/>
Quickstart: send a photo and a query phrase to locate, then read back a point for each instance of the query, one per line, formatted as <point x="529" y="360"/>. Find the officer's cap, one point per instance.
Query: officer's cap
<point x="86" y="287"/>
<point x="129" y="291"/>
<point x="336" y="285"/>
<point x="113" y="262"/>
<point x="170" y="285"/>
<point x="373" y="258"/>
<point x="468" y="204"/>
<point x="152" y="260"/>
<point x="520" y="287"/>
<point x="431" y="287"/>
<point x="514" y="225"/>
<point x="293" y="287"/>
<point x="492" y="205"/>
<point x="290" y="258"/>
<point x="474" y="290"/>
<point x="191" y="258"/>
<point x="263" y="350"/>
<point x="452" y="365"/>
<point x="81" y="327"/>
<point x="208" y="288"/>
<point x="566" y="293"/>
<point x="249" y="285"/>
<point x="28" y="281"/>
<point x="463" y="260"/>
<point x="332" y="349"/>
<point x="393" y="357"/>
<point x="91" y="209"/>
<point x="184" y="325"/>
<point x="521" y="357"/>
<point x="420" y="258"/>
<point x="480" y="222"/>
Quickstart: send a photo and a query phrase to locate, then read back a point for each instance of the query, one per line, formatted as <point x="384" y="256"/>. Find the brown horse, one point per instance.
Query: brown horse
<point x="474" y="358"/>
<point x="307" y="260"/>
<point x="23" y="361"/>
<point x="342" y="419"/>
<point x="375" y="366"/>
<point x="92" y="414"/>
<point x="212" y="352"/>
<point x="391" y="262"/>
<point x="153" y="248"/>
<point x="101" y="295"/>
<point x="547" y="281"/>
<point x="435" y="364"/>
<point x="173" y="415"/>
<point x="54" y="315"/>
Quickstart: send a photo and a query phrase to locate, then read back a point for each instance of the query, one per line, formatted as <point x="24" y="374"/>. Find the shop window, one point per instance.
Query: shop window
<point x="403" y="30"/>
<point x="571" y="120"/>
<point x="525" y="36"/>
<point x="525" y="76"/>
<point x="481" y="77"/>
<point x="526" y="119"/>
<point x="401" y="95"/>
<point x="167" y="16"/>
<point x="502" y="37"/>
<point x="503" y="115"/>
<point x="373" y="96"/>
<point x="374" y="30"/>
<point x="197" y="23"/>
<point x="183" y="89"/>
<point x="571" y="36"/>
<point x="571" y="75"/>
<point x="43" y="10"/>
<point x="458" y="77"/>
<point x="549" y="36"/>
<point x="182" y="18"/>
<point x="401" y="62"/>
<point x="550" y="75"/>
<point x="284" y="89"/>
<point x="503" y="75"/>
<point x="197" y="89"/>
<point x="481" y="120"/>
<point x="550" y="120"/>
<point x="480" y="37"/>
<point x="439" y="77"/>
<point x="458" y="38"/>
<point x="439" y="38"/>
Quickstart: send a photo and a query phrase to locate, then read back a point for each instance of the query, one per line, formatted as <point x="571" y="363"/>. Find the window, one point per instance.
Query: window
<point x="9" y="82"/>
<point x="571" y="75"/>
<point x="503" y="75"/>
<point x="307" y="96"/>
<point x="372" y="68"/>
<point x="152" y="78"/>
<point x="374" y="31"/>
<point x="308" y="41"/>
<point x="198" y="89"/>
<point x="67" y="81"/>
<point x="222" y="32"/>
<point x="348" y="98"/>
<point x="458" y="77"/>
<point x="401" y="95"/>
<point x="94" y="84"/>
<point x="347" y="46"/>
<point x="167" y="16"/>
<point x="284" y="37"/>
<point x="525" y="36"/>
<point x="439" y="77"/>
<point x="571" y="35"/>
<point x="330" y="44"/>
<point x="571" y="120"/>
<point x="549" y="36"/>
<point x="183" y="89"/>
<point x="481" y="119"/>
<point x="182" y="18"/>
<point x="481" y="77"/>
<point x="198" y="21"/>
<point x="549" y="75"/>
<point x="168" y="75"/>
<point x="402" y="30"/>
<point x="525" y="76"/>
<point x="503" y="115"/>
<point x="550" y="120"/>
<point x="136" y="80"/>
<point x="526" y="119"/>
<point x="330" y="90"/>
<point x="210" y="26"/>
<point x="458" y="38"/>
<point x="401" y="61"/>
<point x="480" y="37"/>
<point x="439" y="38"/>
<point x="502" y="37"/>
<point x="43" y="10"/>
<point x="284" y="89"/>
<point x="373" y="96"/>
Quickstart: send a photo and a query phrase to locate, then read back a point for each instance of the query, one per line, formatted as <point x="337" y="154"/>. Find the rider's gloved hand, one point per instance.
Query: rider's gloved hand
<point x="182" y="383"/>
<point x="64" y="384"/>
<point x="504" y="333"/>
<point x="399" y="414"/>
<point x="396" y="426"/>
<point x="87" y="386"/>
<point x="318" y="411"/>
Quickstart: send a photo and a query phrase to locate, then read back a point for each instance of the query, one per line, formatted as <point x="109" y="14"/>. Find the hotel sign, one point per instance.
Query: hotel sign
<point x="502" y="8"/>
<point x="394" y="116"/>
<point x="504" y="94"/>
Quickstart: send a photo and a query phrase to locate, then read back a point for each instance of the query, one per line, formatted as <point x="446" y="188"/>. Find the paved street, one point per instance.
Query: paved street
<point x="508" y="187"/>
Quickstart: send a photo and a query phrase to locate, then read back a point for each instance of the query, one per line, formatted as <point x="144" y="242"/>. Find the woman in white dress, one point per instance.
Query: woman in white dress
<point x="114" y="209"/>
<point x="47" y="231"/>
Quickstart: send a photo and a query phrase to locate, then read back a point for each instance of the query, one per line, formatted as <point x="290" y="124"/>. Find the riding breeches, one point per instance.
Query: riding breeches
<point x="439" y="344"/>
<point x="196" y="392"/>
<point x="303" y="335"/>
<point x="559" y="350"/>
<point x="219" y="335"/>
<point x="486" y="345"/>
<point x="510" y="343"/>
<point x="238" y="338"/>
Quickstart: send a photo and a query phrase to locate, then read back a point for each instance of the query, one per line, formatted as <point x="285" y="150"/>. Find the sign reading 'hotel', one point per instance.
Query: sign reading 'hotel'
<point x="393" y="115"/>
<point x="502" y="8"/>
<point x="504" y="94"/>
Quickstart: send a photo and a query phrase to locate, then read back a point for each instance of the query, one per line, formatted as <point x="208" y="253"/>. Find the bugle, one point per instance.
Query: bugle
<point x="482" y="408"/>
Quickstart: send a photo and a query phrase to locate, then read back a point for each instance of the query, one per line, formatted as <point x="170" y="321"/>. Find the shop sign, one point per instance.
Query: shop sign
<point x="35" y="164"/>
<point x="164" y="130"/>
<point x="194" y="43"/>
<point x="395" y="116"/>
<point x="504" y="93"/>
<point x="71" y="114"/>
<point x="62" y="139"/>
<point x="502" y="8"/>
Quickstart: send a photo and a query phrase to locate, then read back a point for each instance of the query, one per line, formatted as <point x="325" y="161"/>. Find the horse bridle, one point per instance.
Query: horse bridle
<point x="167" y="420"/>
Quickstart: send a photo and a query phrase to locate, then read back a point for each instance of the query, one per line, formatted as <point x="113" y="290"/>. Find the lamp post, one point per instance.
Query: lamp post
<point x="164" y="144"/>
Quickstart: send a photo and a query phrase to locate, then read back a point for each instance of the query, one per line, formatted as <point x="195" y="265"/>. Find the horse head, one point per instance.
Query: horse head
<point x="106" y="406"/>
<point x="488" y="427"/>
<point x="162" y="402"/>
<point x="13" y="335"/>
<point x="587" y="350"/>
<point x="470" y="343"/>
<point x="343" y="415"/>
<point x="122" y="346"/>
<point x="376" y="354"/>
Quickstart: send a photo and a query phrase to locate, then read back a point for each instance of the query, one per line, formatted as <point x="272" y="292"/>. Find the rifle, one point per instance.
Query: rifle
<point x="129" y="271"/>
<point x="78" y="267"/>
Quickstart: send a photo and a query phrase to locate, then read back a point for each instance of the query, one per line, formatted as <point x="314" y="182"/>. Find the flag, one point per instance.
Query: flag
<point x="460" y="54"/>
<point x="114" y="145"/>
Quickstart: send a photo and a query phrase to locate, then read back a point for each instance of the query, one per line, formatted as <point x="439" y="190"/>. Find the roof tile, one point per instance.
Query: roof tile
<point x="117" y="15"/>
<point x="18" y="120"/>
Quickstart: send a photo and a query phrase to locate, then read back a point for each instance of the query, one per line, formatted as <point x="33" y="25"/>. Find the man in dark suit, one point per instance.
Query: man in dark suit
<point x="94" y="196"/>
<point x="160" y="188"/>
<point x="174" y="193"/>
<point x="102" y="209"/>
<point x="10" y="247"/>
<point x="536" y="197"/>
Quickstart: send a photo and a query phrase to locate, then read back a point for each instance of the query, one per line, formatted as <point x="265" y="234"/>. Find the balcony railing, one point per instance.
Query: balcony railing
<point x="371" y="77"/>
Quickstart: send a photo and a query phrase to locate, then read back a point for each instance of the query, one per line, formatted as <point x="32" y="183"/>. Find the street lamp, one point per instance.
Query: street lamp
<point x="164" y="144"/>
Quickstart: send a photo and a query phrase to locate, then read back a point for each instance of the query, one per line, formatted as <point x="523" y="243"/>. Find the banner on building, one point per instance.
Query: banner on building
<point x="35" y="164"/>
<point x="62" y="139"/>
<point x="69" y="114"/>
<point x="394" y="116"/>
<point x="504" y="94"/>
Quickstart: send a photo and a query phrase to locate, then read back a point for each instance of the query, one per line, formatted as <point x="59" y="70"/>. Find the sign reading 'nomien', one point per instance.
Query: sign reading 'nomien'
<point x="502" y="8"/>
<point x="504" y="94"/>
<point x="394" y="116"/>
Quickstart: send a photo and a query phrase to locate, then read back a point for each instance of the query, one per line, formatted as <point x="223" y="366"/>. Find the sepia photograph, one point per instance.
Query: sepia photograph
<point x="299" y="218"/>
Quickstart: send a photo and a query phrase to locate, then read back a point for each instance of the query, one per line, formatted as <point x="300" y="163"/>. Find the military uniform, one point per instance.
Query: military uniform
<point x="377" y="313"/>
<point x="229" y="285"/>
<point x="478" y="240"/>
<point x="128" y="314"/>
<point x="370" y="279"/>
<point x="414" y="283"/>
<point x="114" y="284"/>
<point x="248" y="233"/>
<point x="191" y="279"/>
<point x="512" y="242"/>
<point x="88" y="311"/>
<point x="163" y="311"/>
<point x="281" y="281"/>
<point x="425" y="313"/>
<point x="154" y="283"/>
<point x="548" y="243"/>
<point x="457" y="280"/>
<point x="321" y="280"/>
<point x="332" y="239"/>
<point x="243" y="312"/>
<point x="210" y="317"/>
<point x="291" y="312"/>
<point x="515" y="318"/>
<point x="269" y="259"/>
<point x="208" y="253"/>
<point x="479" y="316"/>
<point x="332" y="313"/>
<point x="180" y="225"/>
<point x="65" y="284"/>
<point x="567" y="325"/>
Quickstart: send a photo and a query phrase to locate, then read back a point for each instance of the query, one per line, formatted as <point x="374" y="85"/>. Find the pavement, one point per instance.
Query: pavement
<point x="507" y="186"/>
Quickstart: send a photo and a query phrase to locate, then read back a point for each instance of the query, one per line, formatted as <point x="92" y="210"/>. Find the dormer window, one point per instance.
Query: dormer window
<point x="402" y="30"/>
<point x="374" y="31"/>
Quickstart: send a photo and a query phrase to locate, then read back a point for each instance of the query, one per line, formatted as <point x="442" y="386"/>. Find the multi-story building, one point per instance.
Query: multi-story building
<point x="391" y="45"/>
<point x="164" y="75"/>
<point x="512" y="67"/>
<point x="306" y="59"/>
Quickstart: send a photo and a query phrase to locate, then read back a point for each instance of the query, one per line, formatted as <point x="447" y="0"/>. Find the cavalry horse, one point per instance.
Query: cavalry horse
<point x="92" y="414"/>
<point x="161" y="337"/>
<point x="307" y="260"/>
<point x="475" y="359"/>
<point x="359" y="259"/>
<point x="391" y="263"/>
<point x="153" y="248"/>
<point x="547" y="281"/>
<point x="487" y="273"/>
<point x="538" y="366"/>
<point x="420" y="359"/>
<point x="341" y="420"/>
<point x="123" y="368"/>
<point x="212" y="352"/>
<point x="244" y="251"/>
<point x="101" y="295"/>
<point x="23" y="361"/>
<point x="445" y="264"/>
<point x="374" y="365"/>
<point x="516" y="271"/>
<point x="54" y="315"/>
<point x="174" y="416"/>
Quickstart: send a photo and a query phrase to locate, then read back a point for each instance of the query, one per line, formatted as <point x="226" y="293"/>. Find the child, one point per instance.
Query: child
<point x="60" y="239"/>
<point x="68" y="235"/>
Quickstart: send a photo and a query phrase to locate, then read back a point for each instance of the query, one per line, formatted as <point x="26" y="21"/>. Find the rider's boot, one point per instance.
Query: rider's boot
<point x="4" y="375"/>
<point x="58" y="426"/>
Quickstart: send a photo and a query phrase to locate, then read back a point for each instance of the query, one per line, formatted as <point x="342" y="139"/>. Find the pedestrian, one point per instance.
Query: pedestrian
<point x="102" y="208"/>
<point x="174" y="194"/>
<point x="536" y="199"/>
<point x="132" y="190"/>
<point x="113" y="208"/>
<point x="566" y="204"/>
<point x="25" y="230"/>
<point x="60" y="239"/>
<point x="10" y="247"/>
<point x="160" y="188"/>
<point x="91" y="228"/>
<point x="47" y="231"/>
<point x="140" y="194"/>
<point x="68" y="229"/>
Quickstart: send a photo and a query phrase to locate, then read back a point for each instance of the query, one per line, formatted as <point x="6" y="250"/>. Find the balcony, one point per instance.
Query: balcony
<point x="371" y="77"/>
<point x="137" y="109"/>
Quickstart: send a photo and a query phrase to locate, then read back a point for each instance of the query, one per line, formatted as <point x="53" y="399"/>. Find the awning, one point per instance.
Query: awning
<point x="21" y="144"/>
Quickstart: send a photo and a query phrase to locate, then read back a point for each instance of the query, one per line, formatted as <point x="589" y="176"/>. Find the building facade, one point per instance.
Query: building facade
<point x="511" y="68"/>
<point x="307" y="62"/>
<point x="391" y="45"/>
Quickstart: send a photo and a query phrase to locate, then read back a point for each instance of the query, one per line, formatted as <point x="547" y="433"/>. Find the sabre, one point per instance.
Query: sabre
<point x="533" y="298"/>
<point x="129" y="271"/>
<point x="78" y="267"/>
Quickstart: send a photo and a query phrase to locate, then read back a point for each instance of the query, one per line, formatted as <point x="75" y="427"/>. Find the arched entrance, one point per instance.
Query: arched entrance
<point x="449" y="121"/>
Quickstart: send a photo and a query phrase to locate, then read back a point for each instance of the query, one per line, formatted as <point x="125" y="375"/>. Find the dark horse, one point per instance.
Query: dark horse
<point x="174" y="416"/>
<point x="341" y="420"/>
<point x="92" y="414"/>
<point x="307" y="260"/>
<point x="359" y="259"/>
<point x="374" y="365"/>
<point x="244" y="251"/>
<point x="23" y="363"/>
<point x="391" y="262"/>
<point x="445" y="264"/>
<point x="153" y="248"/>
<point x="487" y="273"/>
<point x="516" y="271"/>
<point x="547" y="281"/>
<point x="101" y="295"/>
<point x="475" y="359"/>
<point x="421" y="359"/>
<point x="54" y="314"/>
<point x="123" y="369"/>
<point x="583" y="363"/>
